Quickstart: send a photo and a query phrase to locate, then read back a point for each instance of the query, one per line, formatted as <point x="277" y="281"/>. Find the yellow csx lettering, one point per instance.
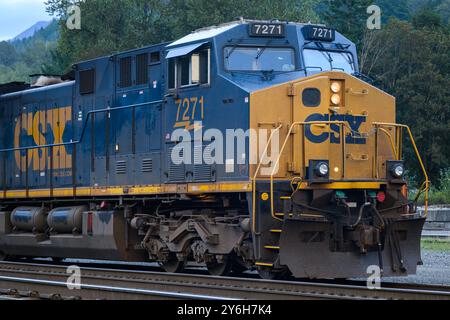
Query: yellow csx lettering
<point x="189" y="110"/>
<point x="34" y="126"/>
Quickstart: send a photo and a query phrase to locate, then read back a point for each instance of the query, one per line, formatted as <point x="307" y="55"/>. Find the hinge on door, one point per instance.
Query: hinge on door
<point x="291" y="91"/>
<point x="357" y="157"/>
<point x="291" y="166"/>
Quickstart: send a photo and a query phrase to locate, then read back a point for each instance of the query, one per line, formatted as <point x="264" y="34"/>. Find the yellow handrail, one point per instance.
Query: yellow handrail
<point x="328" y="123"/>
<point x="426" y="185"/>
<point x="391" y="141"/>
<point x="396" y="150"/>
<point x="264" y="154"/>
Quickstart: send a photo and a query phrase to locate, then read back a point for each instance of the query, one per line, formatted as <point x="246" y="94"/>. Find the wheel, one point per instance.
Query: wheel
<point x="238" y="266"/>
<point x="238" y="269"/>
<point x="173" y="265"/>
<point x="220" y="269"/>
<point x="272" y="274"/>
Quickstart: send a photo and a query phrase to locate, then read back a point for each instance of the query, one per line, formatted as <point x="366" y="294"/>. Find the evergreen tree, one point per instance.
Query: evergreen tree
<point x="7" y="54"/>
<point x="415" y="68"/>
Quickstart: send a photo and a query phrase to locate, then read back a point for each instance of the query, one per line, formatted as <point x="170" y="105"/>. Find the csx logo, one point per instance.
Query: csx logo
<point x="42" y="128"/>
<point x="334" y="136"/>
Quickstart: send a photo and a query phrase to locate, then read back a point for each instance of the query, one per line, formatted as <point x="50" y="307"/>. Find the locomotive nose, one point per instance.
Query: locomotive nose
<point x="328" y="117"/>
<point x="343" y="111"/>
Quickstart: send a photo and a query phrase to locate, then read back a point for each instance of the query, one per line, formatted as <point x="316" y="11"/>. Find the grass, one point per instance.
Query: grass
<point x="436" y="244"/>
<point x="441" y="194"/>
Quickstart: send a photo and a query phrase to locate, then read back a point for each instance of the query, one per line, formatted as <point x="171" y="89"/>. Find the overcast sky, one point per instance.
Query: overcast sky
<point x="18" y="15"/>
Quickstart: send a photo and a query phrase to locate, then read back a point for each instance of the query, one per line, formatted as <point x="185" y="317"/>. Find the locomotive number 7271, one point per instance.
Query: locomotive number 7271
<point x="189" y="110"/>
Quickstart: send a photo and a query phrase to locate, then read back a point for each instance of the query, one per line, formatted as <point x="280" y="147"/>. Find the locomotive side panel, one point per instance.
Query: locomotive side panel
<point x="31" y="119"/>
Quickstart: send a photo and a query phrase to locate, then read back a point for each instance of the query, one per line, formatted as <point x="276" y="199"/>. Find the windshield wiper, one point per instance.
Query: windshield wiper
<point x="234" y="47"/>
<point x="260" y="52"/>
<point x="363" y="77"/>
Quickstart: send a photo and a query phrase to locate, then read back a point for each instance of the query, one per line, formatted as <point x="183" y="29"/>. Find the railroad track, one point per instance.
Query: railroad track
<point x="42" y="281"/>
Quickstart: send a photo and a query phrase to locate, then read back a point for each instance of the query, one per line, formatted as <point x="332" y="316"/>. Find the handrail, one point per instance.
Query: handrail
<point x="394" y="151"/>
<point x="80" y="139"/>
<point x="342" y="124"/>
<point x="263" y="156"/>
<point x="426" y="184"/>
<point x="424" y="188"/>
<point x="71" y="143"/>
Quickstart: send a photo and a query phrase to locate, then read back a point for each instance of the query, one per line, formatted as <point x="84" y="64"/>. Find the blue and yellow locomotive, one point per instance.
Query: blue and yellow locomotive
<point x="250" y="145"/>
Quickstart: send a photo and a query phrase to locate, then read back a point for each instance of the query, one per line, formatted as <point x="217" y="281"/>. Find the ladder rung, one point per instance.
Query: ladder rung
<point x="264" y="264"/>
<point x="276" y="231"/>
<point x="282" y="214"/>
<point x="272" y="247"/>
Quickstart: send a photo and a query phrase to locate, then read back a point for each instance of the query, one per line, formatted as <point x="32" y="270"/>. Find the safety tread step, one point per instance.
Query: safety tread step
<point x="276" y="231"/>
<point x="272" y="247"/>
<point x="264" y="264"/>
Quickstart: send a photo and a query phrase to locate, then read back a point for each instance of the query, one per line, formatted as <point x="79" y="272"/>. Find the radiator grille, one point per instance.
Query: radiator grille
<point x="147" y="165"/>
<point x="177" y="172"/>
<point x="121" y="167"/>
<point x="142" y="68"/>
<point x="125" y="72"/>
<point x="202" y="171"/>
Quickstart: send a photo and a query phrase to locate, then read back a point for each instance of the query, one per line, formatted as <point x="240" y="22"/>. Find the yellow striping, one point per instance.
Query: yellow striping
<point x="272" y="247"/>
<point x="350" y="185"/>
<point x="124" y="190"/>
<point x="263" y="264"/>
<point x="285" y="198"/>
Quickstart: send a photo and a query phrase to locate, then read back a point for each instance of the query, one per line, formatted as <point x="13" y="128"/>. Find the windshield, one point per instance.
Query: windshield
<point x="328" y="60"/>
<point x="259" y="59"/>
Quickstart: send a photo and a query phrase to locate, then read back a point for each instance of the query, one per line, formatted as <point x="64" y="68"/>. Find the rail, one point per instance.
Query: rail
<point x="107" y="283"/>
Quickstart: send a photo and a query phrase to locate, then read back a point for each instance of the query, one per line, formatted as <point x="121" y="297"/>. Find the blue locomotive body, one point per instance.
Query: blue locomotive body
<point x="112" y="126"/>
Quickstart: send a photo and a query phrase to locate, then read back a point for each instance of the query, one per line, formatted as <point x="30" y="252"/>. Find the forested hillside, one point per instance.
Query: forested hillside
<point x="409" y="57"/>
<point x="20" y="58"/>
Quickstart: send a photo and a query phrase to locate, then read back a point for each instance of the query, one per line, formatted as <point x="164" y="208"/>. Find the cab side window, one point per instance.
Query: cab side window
<point x="189" y="70"/>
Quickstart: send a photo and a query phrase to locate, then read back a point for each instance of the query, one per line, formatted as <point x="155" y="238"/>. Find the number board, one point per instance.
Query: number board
<point x="267" y="30"/>
<point x="319" y="33"/>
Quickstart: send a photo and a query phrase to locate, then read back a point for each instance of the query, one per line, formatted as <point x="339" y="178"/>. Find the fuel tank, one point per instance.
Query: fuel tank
<point x="66" y="220"/>
<point x="32" y="219"/>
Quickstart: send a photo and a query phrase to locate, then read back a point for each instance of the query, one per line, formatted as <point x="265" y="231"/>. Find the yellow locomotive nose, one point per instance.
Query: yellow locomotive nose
<point x="336" y="182"/>
<point x="329" y="116"/>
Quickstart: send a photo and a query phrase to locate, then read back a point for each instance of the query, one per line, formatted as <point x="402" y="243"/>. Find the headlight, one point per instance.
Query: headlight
<point x="398" y="171"/>
<point x="336" y="87"/>
<point x="322" y="169"/>
<point x="336" y="99"/>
